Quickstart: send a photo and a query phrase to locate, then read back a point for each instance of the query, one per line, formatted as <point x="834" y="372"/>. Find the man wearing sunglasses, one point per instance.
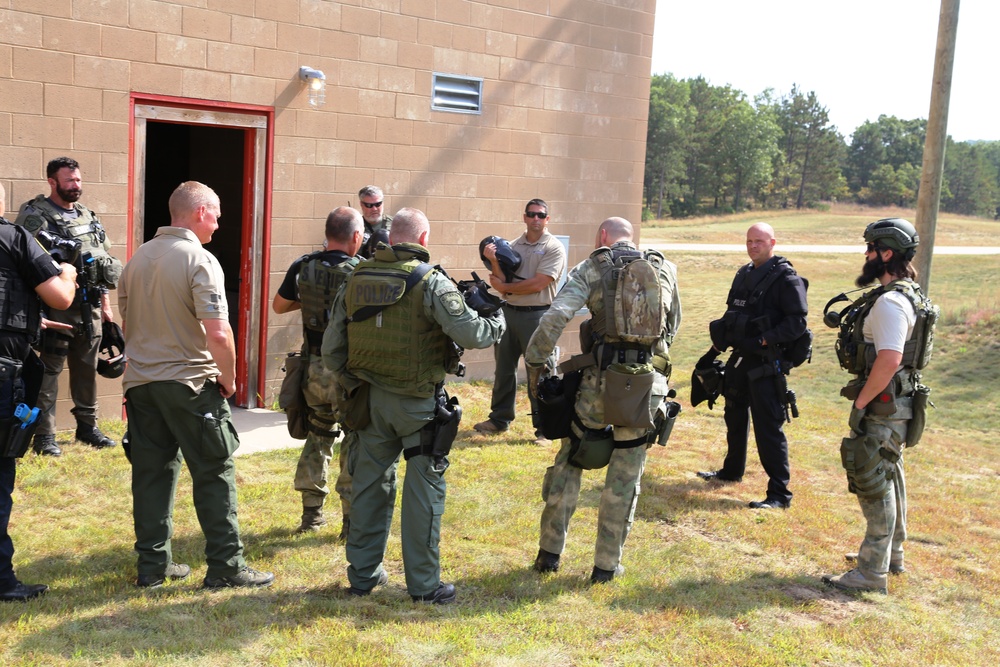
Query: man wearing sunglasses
<point x="528" y="296"/>
<point x="377" y="222"/>
<point x="884" y="330"/>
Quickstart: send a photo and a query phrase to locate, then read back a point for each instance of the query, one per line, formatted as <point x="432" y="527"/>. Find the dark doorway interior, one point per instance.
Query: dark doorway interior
<point x="212" y="155"/>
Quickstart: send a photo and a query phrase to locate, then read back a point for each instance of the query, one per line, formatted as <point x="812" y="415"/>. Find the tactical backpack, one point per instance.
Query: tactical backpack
<point x="634" y="311"/>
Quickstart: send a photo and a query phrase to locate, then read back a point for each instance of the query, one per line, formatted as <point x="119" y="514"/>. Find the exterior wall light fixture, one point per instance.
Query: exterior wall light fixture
<point x="316" y="81"/>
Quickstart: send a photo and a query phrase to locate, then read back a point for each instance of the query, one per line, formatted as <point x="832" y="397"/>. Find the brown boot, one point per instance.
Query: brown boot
<point x="312" y="519"/>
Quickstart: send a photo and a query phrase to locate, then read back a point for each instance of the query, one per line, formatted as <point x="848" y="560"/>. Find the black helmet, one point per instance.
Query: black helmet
<point x="508" y="259"/>
<point x="894" y="233"/>
<point x="112" y="345"/>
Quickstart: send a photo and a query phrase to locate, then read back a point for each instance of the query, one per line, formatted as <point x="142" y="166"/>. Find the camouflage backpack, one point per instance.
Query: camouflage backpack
<point x="634" y="311"/>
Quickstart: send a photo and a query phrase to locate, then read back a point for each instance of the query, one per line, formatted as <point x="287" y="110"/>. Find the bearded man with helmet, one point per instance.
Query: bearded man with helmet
<point x="885" y="339"/>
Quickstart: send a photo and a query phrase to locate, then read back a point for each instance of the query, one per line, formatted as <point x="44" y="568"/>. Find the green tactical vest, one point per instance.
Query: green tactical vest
<point x="318" y="282"/>
<point x="40" y="213"/>
<point x="399" y="349"/>
<point x="857" y="357"/>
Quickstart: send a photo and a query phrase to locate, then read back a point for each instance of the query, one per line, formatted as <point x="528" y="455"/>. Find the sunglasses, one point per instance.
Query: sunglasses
<point x="372" y="205"/>
<point x="536" y="214"/>
<point x="874" y="247"/>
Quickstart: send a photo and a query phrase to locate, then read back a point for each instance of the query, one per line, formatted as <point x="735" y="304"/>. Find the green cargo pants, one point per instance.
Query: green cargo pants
<point x="167" y="421"/>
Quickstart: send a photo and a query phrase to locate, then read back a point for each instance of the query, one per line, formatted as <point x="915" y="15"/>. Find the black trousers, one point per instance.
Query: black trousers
<point x="759" y="400"/>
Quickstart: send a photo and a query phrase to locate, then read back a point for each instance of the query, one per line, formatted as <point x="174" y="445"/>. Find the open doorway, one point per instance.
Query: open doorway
<point x="225" y="151"/>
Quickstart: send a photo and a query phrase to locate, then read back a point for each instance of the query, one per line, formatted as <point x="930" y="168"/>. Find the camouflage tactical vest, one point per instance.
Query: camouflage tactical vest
<point x="318" y="282"/>
<point x="399" y="349"/>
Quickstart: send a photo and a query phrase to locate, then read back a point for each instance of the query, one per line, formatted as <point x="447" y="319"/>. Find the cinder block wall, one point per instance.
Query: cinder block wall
<point x="565" y="99"/>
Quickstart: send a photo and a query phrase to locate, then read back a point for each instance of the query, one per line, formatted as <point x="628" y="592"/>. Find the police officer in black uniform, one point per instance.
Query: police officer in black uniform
<point x="25" y="270"/>
<point x="766" y="311"/>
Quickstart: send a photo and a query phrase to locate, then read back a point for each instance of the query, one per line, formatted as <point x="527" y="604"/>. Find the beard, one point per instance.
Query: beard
<point x="69" y="196"/>
<point x="870" y="272"/>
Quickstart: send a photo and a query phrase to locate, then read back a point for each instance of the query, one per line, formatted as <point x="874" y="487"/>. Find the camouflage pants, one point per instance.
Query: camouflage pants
<point x="885" y="517"/>
<point x="314" y="463"/>
<point x="561" y="486"/>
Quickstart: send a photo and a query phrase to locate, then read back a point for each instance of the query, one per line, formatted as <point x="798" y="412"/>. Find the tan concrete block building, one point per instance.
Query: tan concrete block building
<point x="465" y="109"/>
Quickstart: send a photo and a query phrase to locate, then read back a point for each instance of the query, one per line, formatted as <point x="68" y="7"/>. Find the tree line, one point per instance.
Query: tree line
<point x="710" y="149"/>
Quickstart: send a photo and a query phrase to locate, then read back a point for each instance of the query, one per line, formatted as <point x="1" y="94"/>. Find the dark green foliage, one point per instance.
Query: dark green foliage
<point x="710" y="149"/>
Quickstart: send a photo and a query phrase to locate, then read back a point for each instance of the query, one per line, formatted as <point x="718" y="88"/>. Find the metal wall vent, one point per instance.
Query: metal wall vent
<point x="458" y="94"/>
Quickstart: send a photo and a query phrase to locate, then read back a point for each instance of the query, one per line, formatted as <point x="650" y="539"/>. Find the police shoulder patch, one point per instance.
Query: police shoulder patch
<point x="452" y="302"/>
<point x="33" y="223"/>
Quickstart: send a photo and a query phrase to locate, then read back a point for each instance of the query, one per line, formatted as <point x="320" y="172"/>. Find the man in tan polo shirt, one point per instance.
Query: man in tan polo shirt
<point x="181" y="370"/>
<point x="528" y="296"/>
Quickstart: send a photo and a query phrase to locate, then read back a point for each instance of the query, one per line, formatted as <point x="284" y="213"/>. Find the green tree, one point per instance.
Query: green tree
<point x="888" y="140"/>
<point x="748" y="142"/>
<point x="971" y="178"/>
<point x="671" y="118"/>
<point x="813" y="151"/>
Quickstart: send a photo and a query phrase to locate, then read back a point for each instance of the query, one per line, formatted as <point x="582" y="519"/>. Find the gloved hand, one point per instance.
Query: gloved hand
<point x="707" y="358"/>
<point x="534" y="377"/>
<point x="476" y="295"/>
<point x="855" y="420"/>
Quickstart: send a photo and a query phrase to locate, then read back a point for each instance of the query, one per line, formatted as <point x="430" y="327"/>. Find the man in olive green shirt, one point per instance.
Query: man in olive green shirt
<point x="401" y="352"/>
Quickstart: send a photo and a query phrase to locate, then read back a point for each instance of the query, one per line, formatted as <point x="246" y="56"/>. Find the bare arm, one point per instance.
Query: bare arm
<point x="58" y="291"/>
<point x="532" y="285"/>
<point x="886" y="363"/>
<point x="106" y="314"/>
<point x="222" y="347"/>
<point x="281" y="305"/>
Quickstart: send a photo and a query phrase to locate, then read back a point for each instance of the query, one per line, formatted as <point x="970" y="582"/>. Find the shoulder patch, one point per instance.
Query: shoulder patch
<point x="453" y="303"/>
<point x="33" y="222"/>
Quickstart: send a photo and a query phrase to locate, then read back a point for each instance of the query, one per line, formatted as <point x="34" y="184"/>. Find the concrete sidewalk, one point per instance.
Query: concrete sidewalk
<point x="262" y="430"/>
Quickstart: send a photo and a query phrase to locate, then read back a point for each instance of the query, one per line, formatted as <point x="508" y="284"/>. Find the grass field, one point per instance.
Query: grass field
<point x="708" y="582"/>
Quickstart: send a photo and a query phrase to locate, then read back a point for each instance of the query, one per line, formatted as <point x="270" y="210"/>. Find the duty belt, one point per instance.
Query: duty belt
<point x="526" y="309"/>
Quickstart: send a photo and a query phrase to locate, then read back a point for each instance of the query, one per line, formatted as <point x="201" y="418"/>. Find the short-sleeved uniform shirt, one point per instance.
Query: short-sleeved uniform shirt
<point x="546" y="256"/>
<point x="168" y="287"/>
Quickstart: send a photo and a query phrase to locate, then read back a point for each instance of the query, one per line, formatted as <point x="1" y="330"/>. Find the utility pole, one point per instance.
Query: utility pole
<point x="929" y="198"/>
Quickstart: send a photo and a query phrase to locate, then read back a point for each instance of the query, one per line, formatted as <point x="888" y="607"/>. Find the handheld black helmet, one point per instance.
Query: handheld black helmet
<point x="508" y="259"/>
<point x="894" y="233"/>
<point x="112" y="345"/>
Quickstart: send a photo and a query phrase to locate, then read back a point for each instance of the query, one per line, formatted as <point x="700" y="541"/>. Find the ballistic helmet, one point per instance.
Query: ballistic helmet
<point x="111" y="362"/>
<point x="508" y="259"/>
<point x="894" y="233"/>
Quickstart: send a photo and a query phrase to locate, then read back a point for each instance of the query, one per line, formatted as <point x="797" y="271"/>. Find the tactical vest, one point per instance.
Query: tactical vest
<point x="611" y="262"/>
<point x="748" y="316"/>
<point x="400" y="347"/>
<point x="857" y="357"/>
<point x="318" y="282"/>
<point x="20" y="310"/>
<point x="41" y="213"/>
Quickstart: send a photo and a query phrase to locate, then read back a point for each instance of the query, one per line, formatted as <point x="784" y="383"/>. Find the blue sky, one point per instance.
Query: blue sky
<point x="886" y="46"/>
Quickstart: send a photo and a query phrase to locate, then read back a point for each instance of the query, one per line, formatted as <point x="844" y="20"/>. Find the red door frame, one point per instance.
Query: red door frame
<point x="246" y="267"/>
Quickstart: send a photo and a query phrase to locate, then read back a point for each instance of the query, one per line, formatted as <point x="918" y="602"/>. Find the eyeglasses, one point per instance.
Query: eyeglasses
<point x="372" y="205"/>
<point x="541" y="215"/>
<point x="873" y="247"/>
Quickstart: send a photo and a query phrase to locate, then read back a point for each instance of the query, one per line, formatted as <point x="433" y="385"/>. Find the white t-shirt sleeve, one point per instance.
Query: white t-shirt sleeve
<point x="891" y="322"/>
